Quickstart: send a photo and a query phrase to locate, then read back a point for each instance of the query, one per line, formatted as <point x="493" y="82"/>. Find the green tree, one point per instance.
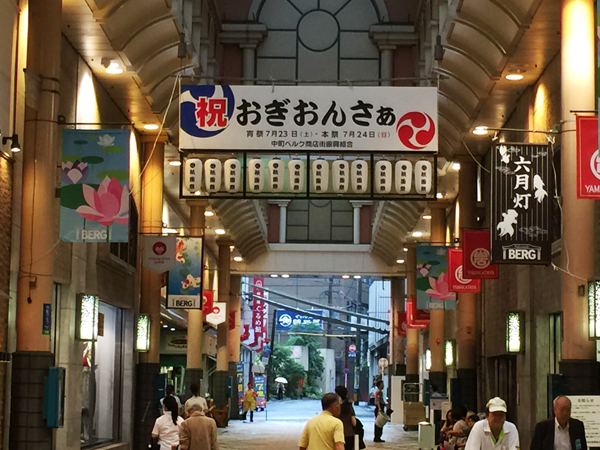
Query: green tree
<point x="283" y="365"/>
<point x="315" y="360"/>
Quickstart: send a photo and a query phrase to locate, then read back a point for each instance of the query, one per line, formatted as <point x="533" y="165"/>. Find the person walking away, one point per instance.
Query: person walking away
<point x="347" y="416"/>
<point x="249" y="403"/>
<point x="494" y="433"/>
<point x="166" y="427"/>
<point x="170" y="392"/>
<point x="195" y="399"/>
<point x="561" y="433"/>
<point x="198" y="432"/>
<point x="325" y="431"/>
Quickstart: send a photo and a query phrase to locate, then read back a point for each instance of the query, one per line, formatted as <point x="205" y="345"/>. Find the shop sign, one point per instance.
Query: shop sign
<point x="240" y="383"/>
<point x="184" y="284"/>
<point x="313" y="118"/>
<point x="218" y="314"/>
<point x="289" y="320"/>
<point x="260" y="387"/>
<point x="159" y="253"/>
<point x="521" y="204"/>
<point x="588" y="159"/>
<point x="258" y="309"/>
<point x="94" y="188"/>
<point x="476" y="255"/>
<point x="433" y="290"/>
<point x="458" y="282"/>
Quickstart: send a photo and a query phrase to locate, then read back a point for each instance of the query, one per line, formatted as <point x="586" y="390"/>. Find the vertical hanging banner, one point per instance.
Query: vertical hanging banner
<point x="458" y="282"/>
<point x="521" y="204"/>
<point x="94" y="189"/>
<point x="476" y="255"/>
<point x="257" y="322"/>
<point x="402" y="324"/>
<point x="433" y="291"/>
<point x="588" y="159"/>
<point x="218" y="315"/>
<point x="159" y="253"/>
<point x="185" y="279"/>
<point x="207" y="302"/>
<point x="260" y="386"/>
<point x="416" y="318"/>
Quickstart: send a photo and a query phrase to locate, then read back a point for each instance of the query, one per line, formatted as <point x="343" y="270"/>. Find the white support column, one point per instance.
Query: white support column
<point x="249" y="51"/>
<point x="357" y="205"/>
<point x="387" y="64"/>
<point x="282" y="204"/>
<point x="248" y="37"/>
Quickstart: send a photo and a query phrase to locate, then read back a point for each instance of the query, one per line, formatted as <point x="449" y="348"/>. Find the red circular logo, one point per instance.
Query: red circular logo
<point x="159" y="248"/>
<point x="415" y="130"/>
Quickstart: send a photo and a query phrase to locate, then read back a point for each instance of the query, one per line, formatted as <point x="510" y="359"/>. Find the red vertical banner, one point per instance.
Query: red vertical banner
<point x="415" y="318"/>
<point x="207" y="302"/>
<point x="476" y="255"/>
<point x="588" y="159"/>
<point x="402" y="324"/>
<point x="458" y="283"/>
<point x="257" y="313"/>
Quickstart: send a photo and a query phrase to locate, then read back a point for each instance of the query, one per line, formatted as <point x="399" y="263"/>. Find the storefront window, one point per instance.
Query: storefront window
<point x="101" y="381"/>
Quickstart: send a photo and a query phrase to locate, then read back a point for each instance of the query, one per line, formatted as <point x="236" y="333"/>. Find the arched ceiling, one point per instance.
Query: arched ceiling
<point x="483" y="40"/>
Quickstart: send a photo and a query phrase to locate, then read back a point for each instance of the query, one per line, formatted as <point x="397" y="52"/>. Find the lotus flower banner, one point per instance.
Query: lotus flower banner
<point x="433" y="288"/>
<point x="94" y="191"/>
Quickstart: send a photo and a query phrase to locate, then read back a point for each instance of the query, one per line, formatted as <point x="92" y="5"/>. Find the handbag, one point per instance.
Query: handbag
<point x="153" y="444"/>
<point x="360" y="431"/>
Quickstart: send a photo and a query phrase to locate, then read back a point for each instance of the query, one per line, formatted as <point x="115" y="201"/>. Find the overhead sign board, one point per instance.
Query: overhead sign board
<point x="292" y="321"/>
<point x="313" y="118"/>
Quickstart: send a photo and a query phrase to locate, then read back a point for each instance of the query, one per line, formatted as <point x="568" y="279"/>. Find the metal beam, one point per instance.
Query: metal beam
<point x="319" y="305"/>
<point x="359" y="326"/>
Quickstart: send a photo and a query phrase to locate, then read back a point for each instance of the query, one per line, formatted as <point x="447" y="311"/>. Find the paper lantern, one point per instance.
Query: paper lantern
<point x="320" y="175"/>
<point x="256" y="175"/>
<point x="275" y="175"/>
<point x="359" y="176"/>
<point x="383" y="177"/>
<point x="296" y="175"/>
<point x="423" y="177"/>
<point x="212" y="175"/>
<point x="404" y="172"/>
<point x="233" y="175"/>
<point x="340" y="174"/>
<point x="192" y="175"/>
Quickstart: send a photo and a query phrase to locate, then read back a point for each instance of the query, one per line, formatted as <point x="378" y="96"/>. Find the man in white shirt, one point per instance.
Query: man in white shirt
<point x="170" y="390"/>
<point x="195" y="399"/>
<point x="495" y="432"/>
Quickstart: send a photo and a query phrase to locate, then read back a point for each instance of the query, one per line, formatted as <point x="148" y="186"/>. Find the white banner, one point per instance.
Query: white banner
<point x="159" y="253"/>
<point x="309" y="118"/>
<point x="218" y="315"/>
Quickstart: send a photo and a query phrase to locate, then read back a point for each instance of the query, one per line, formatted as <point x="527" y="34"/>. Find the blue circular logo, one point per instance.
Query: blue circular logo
<point x="206" y="110"/>
<point x="285" y="320"/>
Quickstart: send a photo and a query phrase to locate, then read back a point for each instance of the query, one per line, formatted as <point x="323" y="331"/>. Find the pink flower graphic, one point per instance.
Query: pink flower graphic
<point x="439" y="288"/>
<point x="110" y="203"/>
<point x="180" y="247"/>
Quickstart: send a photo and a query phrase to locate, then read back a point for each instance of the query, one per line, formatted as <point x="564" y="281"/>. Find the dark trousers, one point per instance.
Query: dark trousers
<point x="378" y="433"/>
<point x="251" y="415"/>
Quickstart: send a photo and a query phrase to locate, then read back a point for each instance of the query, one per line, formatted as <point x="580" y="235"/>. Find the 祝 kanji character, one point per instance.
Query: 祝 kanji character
<point x="245" y="111"/>
<point x="303" y="113"/>
<point x="385" y="116"/>
<point x="276" y="112"/>
<point x="364" y="112"/>
<point x="338" y="118"/>
<point x="522" y="164"/>
<point x="211" y="111"/>
<point x="521" y="201"/>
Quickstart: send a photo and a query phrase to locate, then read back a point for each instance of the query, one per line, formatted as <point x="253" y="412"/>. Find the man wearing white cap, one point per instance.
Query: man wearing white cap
<point x="494" y="433"/>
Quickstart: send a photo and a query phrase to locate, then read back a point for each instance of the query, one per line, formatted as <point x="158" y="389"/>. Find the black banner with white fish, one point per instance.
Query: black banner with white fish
<point x="521" y="203"/>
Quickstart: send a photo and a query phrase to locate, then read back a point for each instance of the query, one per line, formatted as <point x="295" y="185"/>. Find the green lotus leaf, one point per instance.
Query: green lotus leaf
<point x="80" y="142"/>
<point x="121" y="175"/>
<point x="423" y="284"/>
<point x="70" y="158"/>
<point x="92" y="160"/>
<point x="71" y="196"/>
<point x="113" y="149"/>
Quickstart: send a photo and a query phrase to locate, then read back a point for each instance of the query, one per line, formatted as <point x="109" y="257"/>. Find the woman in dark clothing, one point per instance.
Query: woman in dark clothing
<point x="347" y="416"/>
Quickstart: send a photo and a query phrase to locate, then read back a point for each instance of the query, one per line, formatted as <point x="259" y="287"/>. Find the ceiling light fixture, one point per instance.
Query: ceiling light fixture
<point x="439" y="195"/>
<point x="285" y="275"/>
<point x="356" y="277"/>
<point x="237" y="258"/>
<point x="151" y="126"/>
<point x="208" y="213"/>
<point x="405" y="249"/>
<point x="231" y="247"/>
<point x="456" y="165"/>
<point x="480" y="131"/>
<point x="14" y="146"/>
<point x="165" y="326"/>
<point x="417" y="233"/>
<point x="427" y="216"/>
<point x="175" y="163"/>
<point x="114" y="68"/>
<point x="172" y="329"/>
<point x="274" y="275"/>
<point x="399" y="261"/>
<point x="514" y="76"/>
<point x="345" y="277"/>
<point x="220" y="231"/>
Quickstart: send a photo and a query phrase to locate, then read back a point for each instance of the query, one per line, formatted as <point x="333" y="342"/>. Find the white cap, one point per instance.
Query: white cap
<point x="496" y="404"/>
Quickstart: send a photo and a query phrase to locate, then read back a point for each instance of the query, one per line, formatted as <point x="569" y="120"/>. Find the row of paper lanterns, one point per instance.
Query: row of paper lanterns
<point x="340" y="177"/>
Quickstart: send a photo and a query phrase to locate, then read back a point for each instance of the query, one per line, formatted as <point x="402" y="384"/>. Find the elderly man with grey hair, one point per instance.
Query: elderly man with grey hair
<point x="198" y="432"/>
<point x="561" y="433"/>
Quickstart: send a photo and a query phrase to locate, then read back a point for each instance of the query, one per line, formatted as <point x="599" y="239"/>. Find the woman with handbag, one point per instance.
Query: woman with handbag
<point x="166" y="427"/>
<point x="347" y="416"/>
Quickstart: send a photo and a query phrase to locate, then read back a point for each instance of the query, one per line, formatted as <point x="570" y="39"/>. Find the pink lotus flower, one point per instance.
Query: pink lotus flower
<point x="110" y="203"/>
<point x="439" y="288"/>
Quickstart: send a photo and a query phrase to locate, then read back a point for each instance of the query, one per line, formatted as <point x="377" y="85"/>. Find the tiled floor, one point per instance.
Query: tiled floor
<point x="280" y="429"/>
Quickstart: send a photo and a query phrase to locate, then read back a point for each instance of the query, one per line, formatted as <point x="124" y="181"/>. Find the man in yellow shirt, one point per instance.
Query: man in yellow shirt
<point x="325" y="431"/>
